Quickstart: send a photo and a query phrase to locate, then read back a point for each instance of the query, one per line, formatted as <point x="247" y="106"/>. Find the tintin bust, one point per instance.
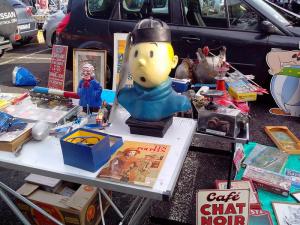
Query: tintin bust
<point x="151" y="59"/>
<point x="89" y="89"/>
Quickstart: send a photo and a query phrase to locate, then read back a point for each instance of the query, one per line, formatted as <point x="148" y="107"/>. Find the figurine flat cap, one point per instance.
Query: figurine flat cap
<point x="151" y="30"/>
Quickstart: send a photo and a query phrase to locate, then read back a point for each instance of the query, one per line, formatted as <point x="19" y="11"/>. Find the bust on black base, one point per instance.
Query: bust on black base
<point x="151" y="101"/>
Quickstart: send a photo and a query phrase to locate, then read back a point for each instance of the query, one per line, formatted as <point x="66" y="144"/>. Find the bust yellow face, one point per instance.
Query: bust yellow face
<point x="150" y="63"/>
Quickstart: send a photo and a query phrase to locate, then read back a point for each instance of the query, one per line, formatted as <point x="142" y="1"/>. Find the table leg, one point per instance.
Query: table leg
<point x="25" y="200"/>
<point x="13" y="207"/>
<point x="135" y="219"/>
<point x="232" y="151"/>
<point x="111" y="203"/>
<point x="132" y="205"/>
<point x="101" y="209"/>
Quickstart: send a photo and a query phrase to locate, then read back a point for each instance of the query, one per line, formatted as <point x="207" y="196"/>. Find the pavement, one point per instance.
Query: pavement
<point x="199" y="171"/>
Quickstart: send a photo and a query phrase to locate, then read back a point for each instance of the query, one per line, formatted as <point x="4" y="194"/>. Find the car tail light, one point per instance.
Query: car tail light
<point x="17" y="37"/>
<point x="63" y="24"/>
<point x="29" y="11"/>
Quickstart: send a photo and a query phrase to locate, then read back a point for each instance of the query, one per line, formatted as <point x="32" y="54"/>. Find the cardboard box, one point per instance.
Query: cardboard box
<point x="241" y="90"/>
<point x="75" y="208"/>
<point x="268" y="180"/>
<point x="88" y="149"/>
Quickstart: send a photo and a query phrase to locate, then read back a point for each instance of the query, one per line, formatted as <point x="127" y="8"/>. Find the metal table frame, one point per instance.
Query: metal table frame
<point x="243" y="138"/>
<point x="35" y="158"/>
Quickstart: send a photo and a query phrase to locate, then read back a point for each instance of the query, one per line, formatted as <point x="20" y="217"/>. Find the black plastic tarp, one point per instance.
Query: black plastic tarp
<point x="8" y="19"/>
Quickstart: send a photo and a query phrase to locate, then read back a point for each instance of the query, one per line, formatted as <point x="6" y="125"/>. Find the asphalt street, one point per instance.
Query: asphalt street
<point x="200" y="170"/>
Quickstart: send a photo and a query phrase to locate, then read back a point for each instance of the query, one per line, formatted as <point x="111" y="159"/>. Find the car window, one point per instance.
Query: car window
<point x="242" y="17"/>
<point x="210" y="13"/>
<point x="140" y="9"/>
<point x="100" y="9"/>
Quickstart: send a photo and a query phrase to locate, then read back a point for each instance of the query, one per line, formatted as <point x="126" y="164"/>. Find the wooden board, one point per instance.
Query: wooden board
<point x="284" y="139"/>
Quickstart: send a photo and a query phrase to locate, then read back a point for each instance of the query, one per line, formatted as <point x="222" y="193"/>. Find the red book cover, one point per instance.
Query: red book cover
<point x="239" y="184"/>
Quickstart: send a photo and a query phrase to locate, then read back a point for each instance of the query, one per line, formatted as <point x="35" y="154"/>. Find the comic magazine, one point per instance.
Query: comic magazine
<point x="136" y="163"/>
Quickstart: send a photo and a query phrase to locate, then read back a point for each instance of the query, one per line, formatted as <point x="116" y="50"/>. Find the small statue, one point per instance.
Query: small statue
<point x="151" y="59"/>
<point x="89" y="89"/>
<point x="207" y="68"/>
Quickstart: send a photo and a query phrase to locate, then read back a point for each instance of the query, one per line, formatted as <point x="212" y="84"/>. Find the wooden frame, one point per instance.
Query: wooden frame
<point x="119" y="50"/>
<point x="296" y="195"/>
<point x="97" y="58"/>
<point x="284" y="215"/>
<point x="285" y="146"/>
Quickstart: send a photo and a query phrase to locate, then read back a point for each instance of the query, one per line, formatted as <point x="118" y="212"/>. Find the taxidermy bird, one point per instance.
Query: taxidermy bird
<point x="184" y="70"/>
<point x="207" y="68"/>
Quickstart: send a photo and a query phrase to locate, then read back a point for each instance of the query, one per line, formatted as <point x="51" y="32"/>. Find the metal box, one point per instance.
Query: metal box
<point x="222" y="121"/>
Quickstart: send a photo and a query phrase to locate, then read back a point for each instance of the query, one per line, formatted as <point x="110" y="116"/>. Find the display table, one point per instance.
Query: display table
<point x="45" y="158"/>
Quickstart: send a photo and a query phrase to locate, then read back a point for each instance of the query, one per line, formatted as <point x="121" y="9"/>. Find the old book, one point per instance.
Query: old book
<point x="136" y="163"/>
<point x="260" y="217"/>
<point x="266" y="157"/>
<point x="12" y="141"/>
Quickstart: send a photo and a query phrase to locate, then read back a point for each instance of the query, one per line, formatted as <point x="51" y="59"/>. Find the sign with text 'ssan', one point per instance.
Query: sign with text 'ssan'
<point x="223" y="207"/>
<point x="57" y="69"/>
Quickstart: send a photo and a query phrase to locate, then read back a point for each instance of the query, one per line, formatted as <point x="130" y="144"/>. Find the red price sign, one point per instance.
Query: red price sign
<point x="57" y="69"/>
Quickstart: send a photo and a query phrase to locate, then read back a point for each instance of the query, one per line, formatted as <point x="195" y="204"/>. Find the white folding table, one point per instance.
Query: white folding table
<point x="45" y="158"/>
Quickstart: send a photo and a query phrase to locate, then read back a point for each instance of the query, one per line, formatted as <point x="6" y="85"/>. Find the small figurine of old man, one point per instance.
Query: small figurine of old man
<point x="89" y="89"/>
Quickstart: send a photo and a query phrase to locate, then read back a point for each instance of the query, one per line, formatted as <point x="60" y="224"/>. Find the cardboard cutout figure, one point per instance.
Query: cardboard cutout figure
<point x="151" y="59"/>
<point x="285" y="83"/>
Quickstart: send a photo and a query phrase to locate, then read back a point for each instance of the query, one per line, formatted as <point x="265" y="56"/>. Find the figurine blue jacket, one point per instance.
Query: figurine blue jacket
<point x="153" y="104"/>
<point x="91" y="95"/>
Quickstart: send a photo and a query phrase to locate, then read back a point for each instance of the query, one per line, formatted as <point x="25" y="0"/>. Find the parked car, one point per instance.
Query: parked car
<point x="50" y="25"/>
<point x="26" y="29"/>
<point x="8" y="26"/>
<point x="295" y="5"/>
<point x="248" y="28"/>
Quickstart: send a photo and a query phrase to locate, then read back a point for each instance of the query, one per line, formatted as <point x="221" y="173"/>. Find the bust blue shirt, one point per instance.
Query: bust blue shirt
<point x="153" y="104"/>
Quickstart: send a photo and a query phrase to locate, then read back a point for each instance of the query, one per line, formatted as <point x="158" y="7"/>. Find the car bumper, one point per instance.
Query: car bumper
<point x="29" y="33"/>
<point x="5" y="44"/>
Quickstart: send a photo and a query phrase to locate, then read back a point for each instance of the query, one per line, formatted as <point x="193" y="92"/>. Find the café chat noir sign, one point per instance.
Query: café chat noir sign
<point x="222" y="207"/>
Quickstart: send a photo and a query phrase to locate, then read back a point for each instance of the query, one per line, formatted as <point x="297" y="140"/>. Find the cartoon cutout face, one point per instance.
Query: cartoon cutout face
<point x="144" y="59"/>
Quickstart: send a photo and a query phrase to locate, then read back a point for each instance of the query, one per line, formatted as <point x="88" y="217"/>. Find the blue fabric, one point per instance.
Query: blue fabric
<point x="24" y="77"/>
<point x="153" y="104"/>
<point x="8" y="123"/>
<point x="90" y="96"/>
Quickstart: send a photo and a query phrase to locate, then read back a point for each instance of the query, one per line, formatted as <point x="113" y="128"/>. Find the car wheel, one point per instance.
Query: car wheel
<point x="1" y="52"/>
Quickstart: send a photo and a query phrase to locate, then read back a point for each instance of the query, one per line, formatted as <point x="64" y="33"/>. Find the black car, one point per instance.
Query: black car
<point x="248" y="28"/>
<point x="27" y="29"/>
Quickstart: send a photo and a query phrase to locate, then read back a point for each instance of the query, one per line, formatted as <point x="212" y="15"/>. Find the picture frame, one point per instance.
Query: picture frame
<point x="296" y="195"/>
<point x="286" y="213"/>
<point x="97" y="58"/>
<point x="119" y="50"/>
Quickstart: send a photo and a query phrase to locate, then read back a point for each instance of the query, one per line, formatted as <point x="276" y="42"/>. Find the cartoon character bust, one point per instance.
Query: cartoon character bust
<point x="151" y="59"/>
<point x="89" y="89"/>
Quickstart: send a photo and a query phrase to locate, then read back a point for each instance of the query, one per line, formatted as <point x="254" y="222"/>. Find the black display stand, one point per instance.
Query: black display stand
<point x="155" y="129"/>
